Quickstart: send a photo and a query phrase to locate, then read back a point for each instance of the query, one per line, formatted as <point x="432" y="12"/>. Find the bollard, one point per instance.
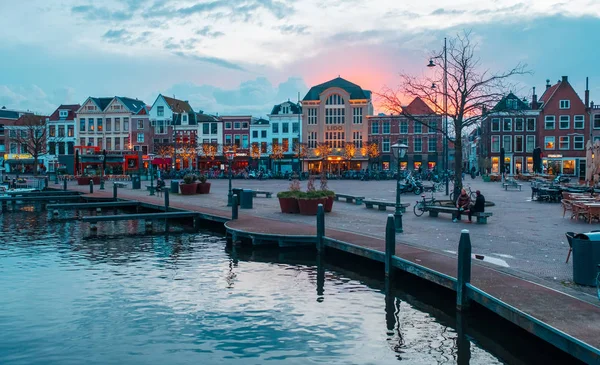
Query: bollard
<point x="65" y="184"/>
<point x="93" y="227"/>
<point x="56" y="178"/>
<point x="234" y="207"/>
<point x="462" y="341"/>
<point x="55" y="212"/>
<point x="102" y="184"/>
<point x="98" y="210"/>
<point x="390" y="245"/>
<point x="166" y="192"/>
<point x="91" y="186"/>
<point x="463" y="276"/>
<point x="320" y="228"/>
<point x="115" y="187"/>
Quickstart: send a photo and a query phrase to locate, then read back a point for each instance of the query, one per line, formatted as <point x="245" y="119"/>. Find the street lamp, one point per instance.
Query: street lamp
<point x="399" y="150"/>
<point x="432" y="64"/>
<point x="230" y="154"/>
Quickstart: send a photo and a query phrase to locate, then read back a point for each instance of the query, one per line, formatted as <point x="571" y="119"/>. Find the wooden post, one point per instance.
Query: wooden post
<point x="390" y="245"/>
<point x="91" y="186"/>
<point x="166" y="193"/>
<point x="115" y="187"/>
<point x="65" y="184"/>
<point x="234" y="207"/>
<point x="320" y="228"/>
<point x="464" y="270"/>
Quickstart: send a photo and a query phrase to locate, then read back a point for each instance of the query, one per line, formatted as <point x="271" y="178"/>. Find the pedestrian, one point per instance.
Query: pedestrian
<point x="479" y="205"/>
<point x="463" y="203"/>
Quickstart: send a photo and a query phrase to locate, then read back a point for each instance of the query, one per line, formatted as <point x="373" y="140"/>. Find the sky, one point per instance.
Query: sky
<point x="244" y="56"/>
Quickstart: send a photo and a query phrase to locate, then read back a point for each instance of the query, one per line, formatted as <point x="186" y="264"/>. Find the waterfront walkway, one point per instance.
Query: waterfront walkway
<point x="563" y="314"/>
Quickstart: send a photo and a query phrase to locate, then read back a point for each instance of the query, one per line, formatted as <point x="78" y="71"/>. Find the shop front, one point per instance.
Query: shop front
<point x="558" y="164"/>
<point x="19" y="163"/>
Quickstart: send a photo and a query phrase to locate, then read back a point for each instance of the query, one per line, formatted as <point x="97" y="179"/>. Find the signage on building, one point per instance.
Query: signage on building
<point x="335" y="127"/>
<point x="555" y="156"/>
<point x="17" y="156"/>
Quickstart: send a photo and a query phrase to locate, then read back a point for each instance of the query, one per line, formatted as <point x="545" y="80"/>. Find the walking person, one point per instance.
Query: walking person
<point x="479" y="205"/>
<point x="463" y="203"/>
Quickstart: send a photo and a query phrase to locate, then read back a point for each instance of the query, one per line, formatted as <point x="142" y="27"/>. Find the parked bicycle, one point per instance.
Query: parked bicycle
<point x="422" y="205"/>
<point x="470" y="192"/>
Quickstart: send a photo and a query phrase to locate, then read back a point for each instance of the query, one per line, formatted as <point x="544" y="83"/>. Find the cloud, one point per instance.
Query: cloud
<point x="442" y="11"/>
<point x="207" y="32"/>
<point x="233" y="8"/>
<point x="208" y="59"/>
<point x="90" y="12"/>
<point x="293" y="29"/>
<point x="34" y="98"/>
<point x="126" y="37"/>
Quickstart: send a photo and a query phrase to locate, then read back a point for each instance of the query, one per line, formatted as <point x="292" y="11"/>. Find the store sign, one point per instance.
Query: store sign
<point x="335" y="127"/>
<point x="555" y="156"/>
<point x="17" y="156"/>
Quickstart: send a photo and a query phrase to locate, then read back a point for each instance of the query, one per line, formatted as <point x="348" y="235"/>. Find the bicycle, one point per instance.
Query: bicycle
<point x="421" y="206"/>
<point x="470" y="192"/>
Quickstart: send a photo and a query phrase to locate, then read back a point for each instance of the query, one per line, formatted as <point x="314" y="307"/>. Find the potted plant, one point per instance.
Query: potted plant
<point x="188" y="186"/>
<point x="309" y="202"/>
<point x="288" y="200"/>
<point x="85" y="180"/>
<point x="327" y="194"/>
<point x="203" y="185"/>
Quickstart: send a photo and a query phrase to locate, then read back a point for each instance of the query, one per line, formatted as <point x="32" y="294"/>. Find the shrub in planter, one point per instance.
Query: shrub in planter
<point x="188" y="187"/>
<point x="203" y="185"/>
<point x="288" y="201"/>
<point x="85" y="180"/>
<point x="308" y="202"/>
<point x="329" y="195"/>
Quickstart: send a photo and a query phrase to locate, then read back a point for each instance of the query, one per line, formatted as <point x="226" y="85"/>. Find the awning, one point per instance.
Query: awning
<point x="20" y="161"/>
<point x="161" y="161"/>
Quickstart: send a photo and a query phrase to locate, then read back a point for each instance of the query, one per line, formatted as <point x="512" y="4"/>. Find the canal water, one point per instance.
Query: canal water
<point x="126" y="297"/>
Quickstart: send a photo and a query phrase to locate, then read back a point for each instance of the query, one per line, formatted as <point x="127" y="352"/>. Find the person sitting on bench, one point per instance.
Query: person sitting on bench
<point x="160" y="184"/>
<point x="479" y="205"/>
<point x="462" y="203"/>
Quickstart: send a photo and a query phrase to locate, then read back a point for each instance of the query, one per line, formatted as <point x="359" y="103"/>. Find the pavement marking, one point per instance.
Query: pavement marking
<point x="504" y="255"/>
<point x="491" y="260"/>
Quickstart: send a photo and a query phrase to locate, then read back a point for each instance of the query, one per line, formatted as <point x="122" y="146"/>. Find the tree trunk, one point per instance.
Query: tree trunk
<point x="458" y="184"/>
<point x="35" y="165"/>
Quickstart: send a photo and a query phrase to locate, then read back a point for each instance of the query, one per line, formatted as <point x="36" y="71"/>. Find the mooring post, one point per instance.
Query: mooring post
<point x="390" y="245"/>
<point x="65" y="184"/>
<point x="115" y="187"/>
<point x="102" y="183"/>
<point x="320" y="228"/>
<point x="166" y="193"/>
<point x="91" y="186"/>
<point x="463" y="276"/>
<point x="234" y="207"/>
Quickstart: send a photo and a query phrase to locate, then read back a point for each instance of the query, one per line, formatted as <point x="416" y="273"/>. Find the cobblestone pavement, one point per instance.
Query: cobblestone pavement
<point x="524" y="237"/>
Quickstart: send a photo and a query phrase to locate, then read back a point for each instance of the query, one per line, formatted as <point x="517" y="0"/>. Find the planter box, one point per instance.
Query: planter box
<point x="86" y="180"/>
<point x="203" y="188"/>
<point x="328" y="206"/>
<point x="289" y="205"/>
<point x="309" y="206"/>
<point x="188" y="189"/>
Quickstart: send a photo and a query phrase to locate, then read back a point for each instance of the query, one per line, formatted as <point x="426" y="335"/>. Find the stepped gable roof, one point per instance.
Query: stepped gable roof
<point x="296" y="108"/>
<point x="178" y="106"/>
<point x="355" y="91"/>
<point x="417" y="107"/>
<point x="72" y="108"/>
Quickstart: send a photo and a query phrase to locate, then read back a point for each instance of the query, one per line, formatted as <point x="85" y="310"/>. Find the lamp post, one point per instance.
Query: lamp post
<point x="399" y="150"/>
<point x="230" y="155"/>
<point x="445" y="141"/>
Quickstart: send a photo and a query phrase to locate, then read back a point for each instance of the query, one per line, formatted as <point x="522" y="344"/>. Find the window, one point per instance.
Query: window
<point x="375" y="128"/>
<point x="254" y="134"/>
<point x="263" y="147"/>
<point x="565" y="104"/>
<point x="357" y="139"/>
<point x="495" y="144"/>
<point x="418" y="128"/>
<point x="71" y="131"/>
<point x="507" y="125"/>
<point x="90" y="141"/>
<point x="108" y="124"/>
<point x="530" y="124"/>
<point x="563" y="143"/>
<point x="335" y="115"/>
<point x="82" y="141"/>
<point x="312" y="139"/>
<point x="285" y="127"/>
<point x="117" y="126"/>
<point x="140" y="137"/>
<point x="236" y="125"/>
<point x="418" y="144"/>
<point x="312" y="116"/>
<point x="91" y="124"/>
<point x="334" y="99"/>
<point x="295" y="127"/>
<point x="335" y="139"/>
<point x="99" y="124"/>
<point x="404" y="127"/>
<point x="52" y="131"/>
<point x="237" y="140"/>
<point x="596" y="121"/>
<point x="184" y="119"/>
<point x="511" y="103"/>
<point x="431" y="145"/>
<point x="507" y="143"/>
<point x="549" y="122"/>
<point x="549" y="142"/>
<point x="13" y="148"/>
<point x="578" y="142"/>
<point x="52" y="148"/>
<point x="91" y="107"/>
<point x="228" y="139"/>
<point x="23" y="133"/>
<point x="116" y="107"/>
<point x="357" y="115"/>
<point x="125" y="124"/>
<point x="61" y="148"/>
<point x="263" y="134"/>
<point x="61" y="130"/>
<point x="432" y="127"/>
<point x="117" y="143"/>
<point x="496" y="125"/>
<point x="63" y="114"/>
<point x="564" y="122"/>
<point x="275" y="128"/>
<point x="245" y="141"/>
<point x="227" y="125"/>
<point x="385" y="145"/>
<point x="578" y="122"/>
<point x="140" y="124"/>
<point x="286" y="144"/>
<point x="99" y="143"/>
<point x="214" y="128"/>
<point x="205" y="128"/>
<point x="386" y="127"/>
<point x="518" y="143"/>
<point x="160" y="111"/>
<point x="519" y="125"/>
<point x="245" y="125"/>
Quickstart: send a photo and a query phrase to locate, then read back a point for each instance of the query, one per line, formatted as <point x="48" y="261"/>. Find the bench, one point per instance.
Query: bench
<point x="435" y="210"/>
<point x="267" y="194"/>
<point x="358" y="200"/>
<point x="120" y="184"/>
<point x="482" y="217"/>
<point x="511" y="184"/>
<point x="382" y="205"/>
<point x="157" y="189"/>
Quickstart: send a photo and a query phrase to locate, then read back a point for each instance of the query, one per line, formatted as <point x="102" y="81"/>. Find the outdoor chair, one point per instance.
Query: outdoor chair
<point x="570" y="236"/>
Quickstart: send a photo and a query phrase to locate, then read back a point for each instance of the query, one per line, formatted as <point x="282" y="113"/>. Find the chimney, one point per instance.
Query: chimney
<point x="565" y="79"/>
<point x="534" y="102"/>
<point x="547" y="84"/>
<point x="587" y="92"/>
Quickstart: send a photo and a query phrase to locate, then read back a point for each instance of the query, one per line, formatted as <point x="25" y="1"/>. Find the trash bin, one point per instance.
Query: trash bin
<point x="246" y="200"/>
<point x="238" y="192"/>
<point x="586" y="258"/>
<point x="174" y="187"/>
<point x="135" y="182"/>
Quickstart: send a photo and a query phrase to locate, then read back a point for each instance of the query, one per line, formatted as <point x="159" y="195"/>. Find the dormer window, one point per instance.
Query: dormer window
<point x="565" y="104"/>
<point x="511" y="103"/>
<point x="184" y="119"/>
<point x="63" y="113"/>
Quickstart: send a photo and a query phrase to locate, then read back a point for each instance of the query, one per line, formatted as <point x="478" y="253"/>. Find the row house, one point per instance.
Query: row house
<point x="61" y="136"/>
<point x="236" y="132"/>
<point x="24" y="139"/>
<point x="142" y="133"/>
<point x="333" y="116"/>
<point x="210" y="137"/>
<point x="285" y="122"/>
<point x="424" y="140"/>
<point x="7" y="118"/>
<point x="260" y="139"/>
<point x="557" y="123"/>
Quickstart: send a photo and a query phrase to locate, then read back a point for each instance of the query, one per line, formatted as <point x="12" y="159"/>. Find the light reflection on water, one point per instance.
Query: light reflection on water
<point x="68" y="298"/>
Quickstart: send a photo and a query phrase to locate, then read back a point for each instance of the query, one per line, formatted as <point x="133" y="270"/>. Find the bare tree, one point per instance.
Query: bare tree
<point x="471" y="93"/>
<point x="30" y="134"/>
<point x="163" y="149"/>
